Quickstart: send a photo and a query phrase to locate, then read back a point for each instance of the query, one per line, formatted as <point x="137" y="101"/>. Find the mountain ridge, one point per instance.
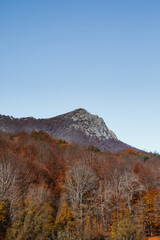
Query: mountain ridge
<point x="77" y="126"/>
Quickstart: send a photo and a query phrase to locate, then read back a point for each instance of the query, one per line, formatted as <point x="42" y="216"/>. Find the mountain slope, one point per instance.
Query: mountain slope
<point x="78" y="126"/>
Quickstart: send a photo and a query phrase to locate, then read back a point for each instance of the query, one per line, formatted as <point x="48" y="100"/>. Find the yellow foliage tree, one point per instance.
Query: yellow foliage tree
<point x="2" y="219"/>
<point x="65" y="225"/>
<point x="150" y="212"/>
<point x="126" y="228"/>
<point x="35" y="221"/>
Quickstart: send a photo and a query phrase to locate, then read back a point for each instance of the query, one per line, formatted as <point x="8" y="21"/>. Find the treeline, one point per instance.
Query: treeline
<point x="50" y="189"/>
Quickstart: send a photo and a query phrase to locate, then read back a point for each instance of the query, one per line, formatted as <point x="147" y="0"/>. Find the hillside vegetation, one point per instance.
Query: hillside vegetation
<point x="51" y="189"/>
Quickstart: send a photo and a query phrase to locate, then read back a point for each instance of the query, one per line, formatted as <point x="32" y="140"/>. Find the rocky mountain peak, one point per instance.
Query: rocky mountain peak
<point x="91" y="125"/>
<point x="78" y="126"/>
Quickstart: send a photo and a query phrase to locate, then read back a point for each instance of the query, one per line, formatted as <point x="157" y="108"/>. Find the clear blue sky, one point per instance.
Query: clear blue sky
<point x="101" y="55"/>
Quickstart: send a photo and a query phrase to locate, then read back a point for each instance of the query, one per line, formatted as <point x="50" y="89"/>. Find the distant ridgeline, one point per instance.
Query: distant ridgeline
<point x="79" y="127"/>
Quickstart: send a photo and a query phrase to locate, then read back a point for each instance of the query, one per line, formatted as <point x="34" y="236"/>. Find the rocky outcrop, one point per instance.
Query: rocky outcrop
<point x="91" y="125"/>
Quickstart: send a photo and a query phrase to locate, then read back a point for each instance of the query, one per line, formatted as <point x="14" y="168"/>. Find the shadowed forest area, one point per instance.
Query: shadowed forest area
<point x="51" y="189"/>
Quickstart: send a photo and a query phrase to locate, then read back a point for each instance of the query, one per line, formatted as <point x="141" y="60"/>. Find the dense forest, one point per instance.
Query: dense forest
<point x="51" y="189"/>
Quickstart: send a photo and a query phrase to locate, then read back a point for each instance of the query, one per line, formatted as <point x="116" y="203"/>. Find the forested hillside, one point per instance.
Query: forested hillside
<point x="51" y="189"/>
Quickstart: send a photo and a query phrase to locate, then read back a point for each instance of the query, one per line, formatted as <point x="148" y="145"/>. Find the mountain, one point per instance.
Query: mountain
<point x="78" y="126"/>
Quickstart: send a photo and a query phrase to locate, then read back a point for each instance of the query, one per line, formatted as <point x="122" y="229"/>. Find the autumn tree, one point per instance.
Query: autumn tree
<point x="3" y="219"/>
<point x="126" y="228"/>
<point x="9" y="185"/>
<point x="80" y="185"/>
<point x="129" y="186"/>
<point x="65" y="223"/>
<point x="34" y="220"/>
<point x="150" y="212"/>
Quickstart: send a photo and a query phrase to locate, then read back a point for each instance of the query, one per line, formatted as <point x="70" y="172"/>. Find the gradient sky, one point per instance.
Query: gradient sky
<point x="101" y="55"/>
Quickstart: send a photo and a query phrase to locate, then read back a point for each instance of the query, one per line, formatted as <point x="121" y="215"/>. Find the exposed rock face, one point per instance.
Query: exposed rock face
<point x="78" y="127"/>
<point x="91" y="125"/>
